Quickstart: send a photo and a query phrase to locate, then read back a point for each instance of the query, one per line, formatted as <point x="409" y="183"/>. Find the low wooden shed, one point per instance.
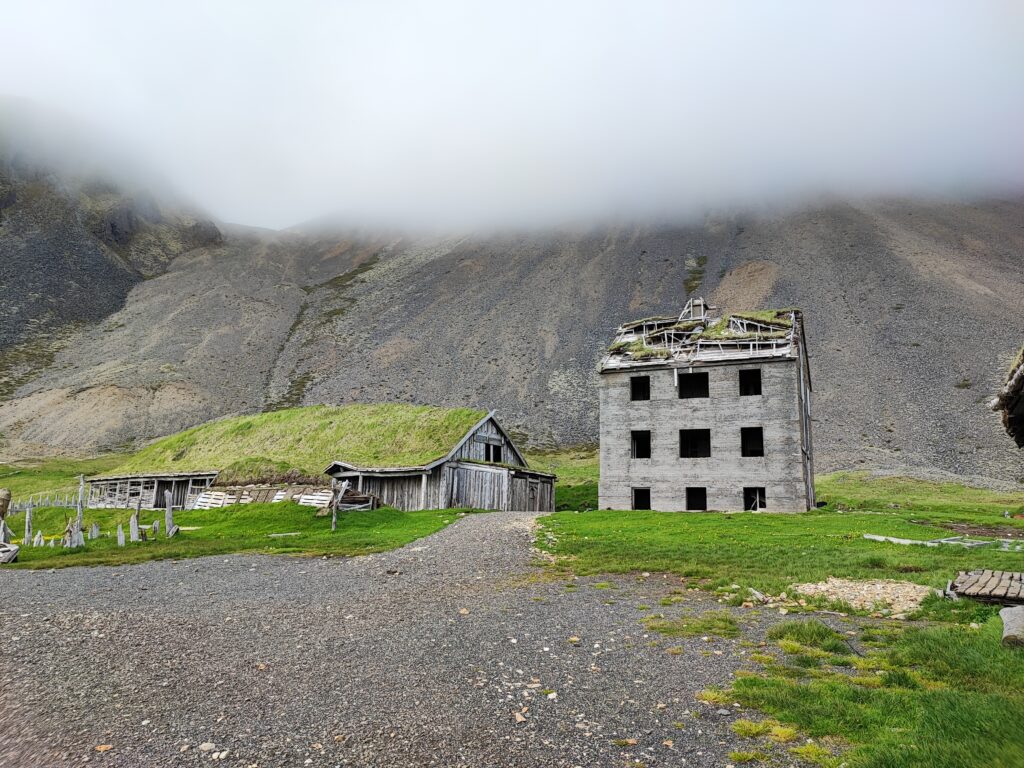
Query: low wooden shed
<point x="127" y="491"/>
<point x="482" y="469"/>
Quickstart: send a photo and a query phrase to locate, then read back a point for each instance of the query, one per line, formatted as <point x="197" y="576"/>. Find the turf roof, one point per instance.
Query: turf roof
<point x="308" y="439"/>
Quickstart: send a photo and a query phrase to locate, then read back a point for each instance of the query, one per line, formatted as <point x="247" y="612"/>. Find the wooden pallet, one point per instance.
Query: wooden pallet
<point x="1003" y="587"/>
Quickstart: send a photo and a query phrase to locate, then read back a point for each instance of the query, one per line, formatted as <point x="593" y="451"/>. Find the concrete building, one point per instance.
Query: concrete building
<point x="703" y="411"/>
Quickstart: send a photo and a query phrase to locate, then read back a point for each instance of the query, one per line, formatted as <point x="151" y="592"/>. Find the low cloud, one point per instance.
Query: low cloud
<point x="529" y="114"/>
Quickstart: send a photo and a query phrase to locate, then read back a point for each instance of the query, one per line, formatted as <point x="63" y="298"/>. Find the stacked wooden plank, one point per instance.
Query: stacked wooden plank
<point x="1002" y="587"/>
<point x="306" y="495"/>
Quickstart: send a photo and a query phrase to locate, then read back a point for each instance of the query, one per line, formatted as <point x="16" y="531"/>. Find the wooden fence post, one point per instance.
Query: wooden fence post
<point x="80" y="505"/>
<point x="169" y="525"/>
<point x="133" y="524"/>
<point x="5" y="504"/>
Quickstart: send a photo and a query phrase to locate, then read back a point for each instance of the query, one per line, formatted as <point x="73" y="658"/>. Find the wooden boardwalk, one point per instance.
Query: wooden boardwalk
<point x="1004" y="587"/>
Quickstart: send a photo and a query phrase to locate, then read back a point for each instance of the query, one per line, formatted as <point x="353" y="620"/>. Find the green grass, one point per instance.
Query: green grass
<point x="305" y="440"/>
<point x="772" y="552"/>
<point x="240" y="528"/>
<point x="719" y="623"/>
<point x="939" y="695"/>
<point x="812" y="633"/>
<point x="577" y="470"/>
<point x="26" y="478"/>
<point x="952" y="698"/>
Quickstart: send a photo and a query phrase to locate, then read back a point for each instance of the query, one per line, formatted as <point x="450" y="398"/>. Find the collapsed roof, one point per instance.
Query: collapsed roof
<point x="1010" y="400"/>
<point x="700" y="335"/>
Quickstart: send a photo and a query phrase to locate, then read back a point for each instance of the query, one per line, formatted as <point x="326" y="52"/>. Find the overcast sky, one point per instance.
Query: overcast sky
<point x="457" y="114"/>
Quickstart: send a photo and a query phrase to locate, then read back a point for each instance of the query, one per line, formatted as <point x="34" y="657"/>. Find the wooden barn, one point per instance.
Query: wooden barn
<point x="481" y="469"/>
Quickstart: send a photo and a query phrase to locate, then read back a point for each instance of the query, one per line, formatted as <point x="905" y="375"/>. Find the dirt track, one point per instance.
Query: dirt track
<point x="422" y="656"/>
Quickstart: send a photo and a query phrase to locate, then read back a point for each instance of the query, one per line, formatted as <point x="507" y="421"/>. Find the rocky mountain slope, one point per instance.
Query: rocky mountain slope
<point x="130" y="320"/>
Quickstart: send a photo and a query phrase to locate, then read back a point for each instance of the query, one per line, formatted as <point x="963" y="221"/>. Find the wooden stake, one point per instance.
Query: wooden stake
<point x="133" y="524"/>
<point x="169" y="525"/>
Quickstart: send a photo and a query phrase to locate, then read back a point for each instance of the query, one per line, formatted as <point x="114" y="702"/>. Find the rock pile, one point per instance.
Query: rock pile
<point x="899" y="597"/>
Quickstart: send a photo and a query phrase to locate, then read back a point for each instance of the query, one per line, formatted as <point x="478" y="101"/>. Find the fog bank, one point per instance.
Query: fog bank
<point x="465" y="114"/>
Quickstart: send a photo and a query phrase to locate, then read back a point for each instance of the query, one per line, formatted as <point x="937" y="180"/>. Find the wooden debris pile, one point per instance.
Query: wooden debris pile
<point x="1000" y="587"/>
<point x="1006" y="545"/>
<point x="699" y="334"/>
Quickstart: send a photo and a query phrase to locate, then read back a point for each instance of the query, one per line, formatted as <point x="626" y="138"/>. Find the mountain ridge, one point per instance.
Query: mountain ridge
<point x="912" y="314"/>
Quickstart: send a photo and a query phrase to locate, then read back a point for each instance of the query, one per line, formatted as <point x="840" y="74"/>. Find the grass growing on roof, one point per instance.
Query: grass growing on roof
<point x="308" y="439"/>
<point x="239" y="528"/>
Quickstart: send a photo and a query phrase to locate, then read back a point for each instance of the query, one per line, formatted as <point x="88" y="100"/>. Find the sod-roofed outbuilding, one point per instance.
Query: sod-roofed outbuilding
<point x="472" y="462"/>
<point x="468" y="460"/>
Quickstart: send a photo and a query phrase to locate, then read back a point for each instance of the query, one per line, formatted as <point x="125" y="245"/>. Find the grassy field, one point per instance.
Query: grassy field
<point x="241" y="528"/>
<point x="938" y="695"/>
<point x="26" y="478"/>
<point x="577" y="470"/>
<point x="770" y="551"/>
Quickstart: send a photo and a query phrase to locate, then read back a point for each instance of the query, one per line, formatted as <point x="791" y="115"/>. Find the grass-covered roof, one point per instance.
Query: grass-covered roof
<point x="303" y="441"/>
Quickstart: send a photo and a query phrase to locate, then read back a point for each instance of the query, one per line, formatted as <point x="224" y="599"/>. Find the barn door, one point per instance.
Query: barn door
<point x="534" y="496"/>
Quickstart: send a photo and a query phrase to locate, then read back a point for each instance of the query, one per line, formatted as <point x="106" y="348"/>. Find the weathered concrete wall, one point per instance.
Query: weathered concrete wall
<point x="726" y="473"/>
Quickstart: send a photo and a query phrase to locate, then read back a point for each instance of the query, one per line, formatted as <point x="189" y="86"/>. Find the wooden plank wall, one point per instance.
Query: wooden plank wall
<point x="402" y="492"/>
<point x="479" y="487"/>
<point x="473" y="449"/>
<point x="541" y="499"/>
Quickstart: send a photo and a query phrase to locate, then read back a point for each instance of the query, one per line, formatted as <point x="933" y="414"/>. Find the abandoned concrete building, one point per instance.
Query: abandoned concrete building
<point x="482" y="469"/>
<point x="703" y="411"/>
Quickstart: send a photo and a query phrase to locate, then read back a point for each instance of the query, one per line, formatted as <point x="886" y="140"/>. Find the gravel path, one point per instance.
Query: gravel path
<point x="420" y="656"/>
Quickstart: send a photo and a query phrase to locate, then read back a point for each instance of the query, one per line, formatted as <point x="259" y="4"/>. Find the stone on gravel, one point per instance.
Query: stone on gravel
<point x="874" y="594"/>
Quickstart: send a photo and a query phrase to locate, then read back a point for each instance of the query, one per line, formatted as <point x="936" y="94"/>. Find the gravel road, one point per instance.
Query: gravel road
<point x="418" y="657"/>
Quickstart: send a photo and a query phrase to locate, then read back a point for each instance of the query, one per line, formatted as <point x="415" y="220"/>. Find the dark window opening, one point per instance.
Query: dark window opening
<point x="641" y="444"/>
<point x="492" y="453"/>
<point x="641" y="498"/>
<point x="751" y="441"/>
<point x="694" y="443"/>
<point x="750" y="382"/>
<point x="693" y="384"/>
<point x="640" y="388"/>
<point x="753" y="499"/>
<point x="696" y="498"/>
